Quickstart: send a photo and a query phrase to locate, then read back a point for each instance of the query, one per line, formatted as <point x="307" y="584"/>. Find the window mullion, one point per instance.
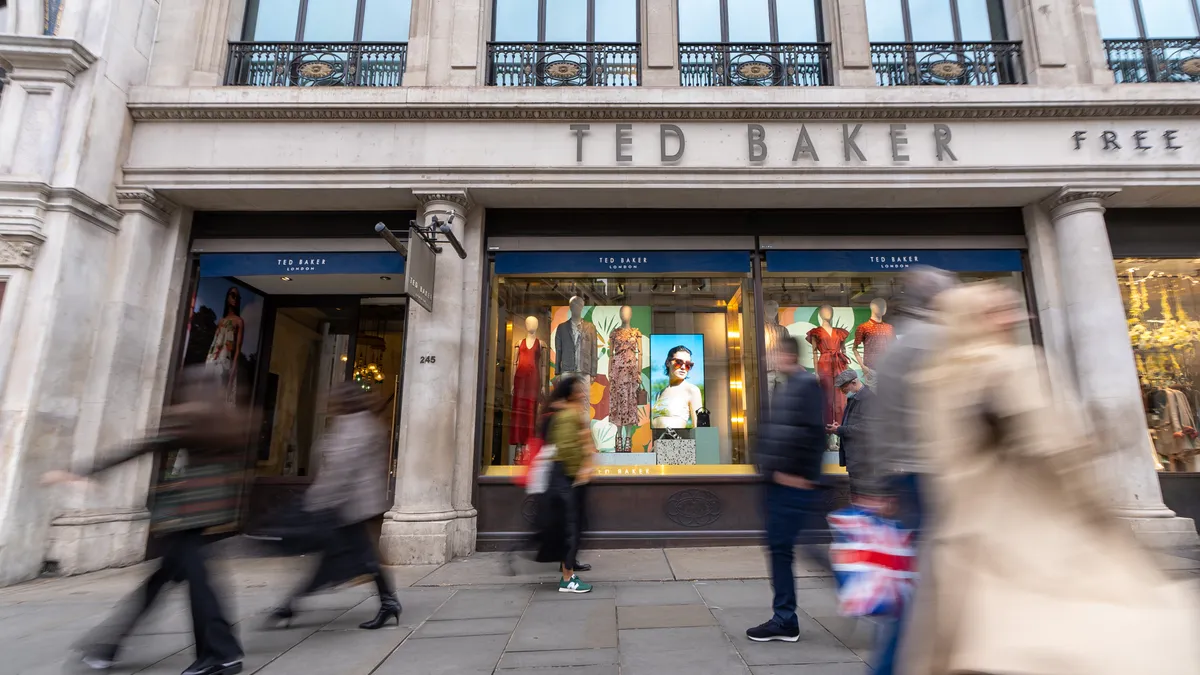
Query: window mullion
<point x="773" y="19"/>
<point x="591" y="21"/>
<point x="725" y="21"/>
<point x="541" y="31"/>
<point x="1141" y="19"/>
<point x="300" y="20"/>
<point x="359" y="18"/>
<point x="907" y="16"/>
<point x="955" y="21"/>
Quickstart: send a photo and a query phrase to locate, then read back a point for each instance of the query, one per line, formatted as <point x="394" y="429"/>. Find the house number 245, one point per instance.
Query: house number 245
<point x="428" y="358"/>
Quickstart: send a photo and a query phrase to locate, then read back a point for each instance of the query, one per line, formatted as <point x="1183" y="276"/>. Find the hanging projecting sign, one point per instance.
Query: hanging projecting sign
<point x="868" y="260"/>
<point x="623" y="262"/>
<point x="418" y="273"/>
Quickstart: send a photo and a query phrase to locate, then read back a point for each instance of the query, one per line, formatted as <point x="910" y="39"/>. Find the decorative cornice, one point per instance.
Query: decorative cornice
<point x="144" y="200"/>
<point x="459" y="197"/>
<point x="153" y="112"/>
<point x="80" y="205"/>
<point x="38" y="57"/>
<point x="18" y="252"/>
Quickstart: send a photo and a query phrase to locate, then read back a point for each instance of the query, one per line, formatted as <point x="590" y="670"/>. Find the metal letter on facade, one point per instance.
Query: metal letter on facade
<point x="419" y="270"/>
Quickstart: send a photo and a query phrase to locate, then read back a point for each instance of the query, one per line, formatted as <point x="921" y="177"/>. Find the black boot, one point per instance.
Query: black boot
<point x="389" y="605"/>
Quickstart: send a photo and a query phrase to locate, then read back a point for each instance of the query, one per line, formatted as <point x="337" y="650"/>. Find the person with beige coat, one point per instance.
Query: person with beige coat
<point x="1025" y="570"/>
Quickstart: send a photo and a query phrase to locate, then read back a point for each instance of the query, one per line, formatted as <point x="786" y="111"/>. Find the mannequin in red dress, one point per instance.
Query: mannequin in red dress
<point x="829" y="358"/>
<point x="529" y="374"/>
<point x="872" y="337"/>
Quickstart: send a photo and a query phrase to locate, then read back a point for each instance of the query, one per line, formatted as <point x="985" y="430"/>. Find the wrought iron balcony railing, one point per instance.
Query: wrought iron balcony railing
<point x="558" y="64"/>
<point x="1169" y="60"/>
<point x="899" y="64"/>
<point x="316" y="64"/>
<point x="770" y="64"/>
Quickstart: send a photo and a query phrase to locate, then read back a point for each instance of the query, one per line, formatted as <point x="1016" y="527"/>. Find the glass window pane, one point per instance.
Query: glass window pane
<point x="566" y="20"/>
<point x="273" y="20"/>
<point x="516" y="20"/>
<point x="386" y="20"/>
<point x="669" y="366"/>
<point x="931" y="20"/>
<point x="749" y="21"/>
<point x="1169" y="18"/>
<point x="700" y="21"/>
<point x="330" y="20"/>
<point x="616" y="21"/>
<point x="975" y="21"/>
<point x="885" y="21"/>
<point x="1116" y="19"/>
<point x="797" y="20"/>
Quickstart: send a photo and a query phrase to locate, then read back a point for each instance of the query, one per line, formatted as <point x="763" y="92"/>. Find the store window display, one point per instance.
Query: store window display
<point x="1161" y="300"/>
<point x="837" y="303"/>
<point x="668" y="358"/>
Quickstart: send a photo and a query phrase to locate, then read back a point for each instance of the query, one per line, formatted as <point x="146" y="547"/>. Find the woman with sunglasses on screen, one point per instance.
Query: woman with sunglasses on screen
<point x="676" y="405"/>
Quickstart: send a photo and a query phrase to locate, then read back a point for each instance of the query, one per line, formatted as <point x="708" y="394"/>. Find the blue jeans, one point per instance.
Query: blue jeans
<point x="906" y="489"/>
<point x="792" y="516"/>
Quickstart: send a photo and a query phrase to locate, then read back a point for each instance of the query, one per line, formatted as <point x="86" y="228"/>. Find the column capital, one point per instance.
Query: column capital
<point x="18" y="251"/>
<point x="133" y="199"/>
<point x="459" y="197"/>
<point x="44" y="58"/>
<point x="1070" y="200"/>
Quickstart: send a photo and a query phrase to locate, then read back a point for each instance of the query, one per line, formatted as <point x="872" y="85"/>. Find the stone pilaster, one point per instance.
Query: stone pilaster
<point x="104" y="523"/>
<point x="427" y="524"/>
<point x="1104" y="365"/>
<point x="212" y="45"/>
<point x="660" y="43"/>
<point x="846" y="29"/>
<point x="444" y="43"/>
<point x="1060" y="42"/>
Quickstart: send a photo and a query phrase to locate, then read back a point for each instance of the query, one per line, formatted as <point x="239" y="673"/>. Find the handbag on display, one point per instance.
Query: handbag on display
<point x="641" y="396"/>
<point x="873" y="560"/>
<point x="675" y="446"/>
<point x="703" y="417"/>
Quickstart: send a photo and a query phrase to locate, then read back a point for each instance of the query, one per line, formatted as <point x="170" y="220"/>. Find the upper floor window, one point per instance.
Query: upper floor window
<point x="609" y="21"/>
<point x="749" y="21"/>
<point x="935" y="20"/>
<point x="1147" y="19"/>
<point x="327" y="20"/>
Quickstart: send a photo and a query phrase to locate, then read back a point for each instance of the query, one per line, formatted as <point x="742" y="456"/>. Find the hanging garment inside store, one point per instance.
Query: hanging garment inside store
<point x="526" y="387"/>
<point x="1175" y="431"/>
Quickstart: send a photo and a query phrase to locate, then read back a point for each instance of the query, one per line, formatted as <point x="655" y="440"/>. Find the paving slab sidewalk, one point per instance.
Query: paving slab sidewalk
<point x="653" y="611"/>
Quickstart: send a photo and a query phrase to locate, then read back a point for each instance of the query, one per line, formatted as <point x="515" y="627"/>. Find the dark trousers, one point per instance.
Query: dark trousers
<point x="348" y="554"/>
<point x="183" y="559"/>
<point x="792" y="516"/>
<point x="581" y="516"/>
<point x="905" y="488"/>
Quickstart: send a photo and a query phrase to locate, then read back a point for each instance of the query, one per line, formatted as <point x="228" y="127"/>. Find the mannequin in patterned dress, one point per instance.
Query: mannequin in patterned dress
<point x="871" y="338"/>
<point x="624" y="379"/>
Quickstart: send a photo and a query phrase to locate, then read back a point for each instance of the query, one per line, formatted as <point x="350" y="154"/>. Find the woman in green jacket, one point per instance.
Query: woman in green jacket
<point x="567" y="429"/>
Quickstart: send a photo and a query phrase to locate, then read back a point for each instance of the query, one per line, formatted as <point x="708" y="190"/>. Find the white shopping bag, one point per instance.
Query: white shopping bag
<point x="539" y="470"/>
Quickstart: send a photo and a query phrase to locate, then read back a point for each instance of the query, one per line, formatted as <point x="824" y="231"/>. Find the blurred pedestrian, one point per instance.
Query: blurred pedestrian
<point x="890" y="465"/>
<point x="852" y="431"/>
<point x="1028" y="572"/>
<point x="204" y="495"/>
<point x="350" y="490"/>
<point x="791" y="446"/>
<point x="565" y="427"/>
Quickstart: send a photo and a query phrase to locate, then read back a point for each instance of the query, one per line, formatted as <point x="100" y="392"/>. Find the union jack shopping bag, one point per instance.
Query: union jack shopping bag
<point x="874" y="562"/>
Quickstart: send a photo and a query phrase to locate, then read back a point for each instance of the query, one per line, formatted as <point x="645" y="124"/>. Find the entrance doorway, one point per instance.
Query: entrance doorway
<point x="312" y="344"/>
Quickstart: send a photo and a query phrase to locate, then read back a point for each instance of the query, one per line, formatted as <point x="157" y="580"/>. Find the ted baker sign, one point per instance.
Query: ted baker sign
<point x="836" y="143"/>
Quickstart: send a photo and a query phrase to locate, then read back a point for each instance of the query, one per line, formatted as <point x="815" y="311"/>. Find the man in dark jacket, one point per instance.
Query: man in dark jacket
<point x="790" y="449"/>
<point x="852" y="430"/>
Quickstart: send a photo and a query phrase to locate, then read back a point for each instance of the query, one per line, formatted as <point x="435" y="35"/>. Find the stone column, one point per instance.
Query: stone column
<point x="425" y="526"/>
<point x="444" y="44"/>
<point x="660" y="43"/>
<point x="1104" y="365"/>
<point x="846" y="29"/>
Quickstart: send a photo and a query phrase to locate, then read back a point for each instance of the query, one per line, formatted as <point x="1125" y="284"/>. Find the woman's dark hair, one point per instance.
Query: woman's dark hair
<point x="236" y="306"/>
<point x="564" y="388"/>
<point x="671" y="355"/>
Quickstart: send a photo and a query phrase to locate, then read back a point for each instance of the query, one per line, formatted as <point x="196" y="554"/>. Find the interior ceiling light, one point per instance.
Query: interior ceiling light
<point x="286" y="278"/>
<point x="386" y="278"/>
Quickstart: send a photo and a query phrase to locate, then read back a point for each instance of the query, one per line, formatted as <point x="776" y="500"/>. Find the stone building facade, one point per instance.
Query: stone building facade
<point x="146" y="143"/>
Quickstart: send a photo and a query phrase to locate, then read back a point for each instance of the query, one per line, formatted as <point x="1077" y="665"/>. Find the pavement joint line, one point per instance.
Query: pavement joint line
<point x="667" y="558"/>
<point x="411" y="633"/>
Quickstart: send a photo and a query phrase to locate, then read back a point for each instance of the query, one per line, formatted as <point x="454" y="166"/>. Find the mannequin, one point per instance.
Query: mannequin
<point x="829" y="358"/>
<point x="575" y="345"/>
<point x="773" y="334"/>
<point x="529" y="377"/>
<point x="624" y="379"/>
<point x="872" y="338"/>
